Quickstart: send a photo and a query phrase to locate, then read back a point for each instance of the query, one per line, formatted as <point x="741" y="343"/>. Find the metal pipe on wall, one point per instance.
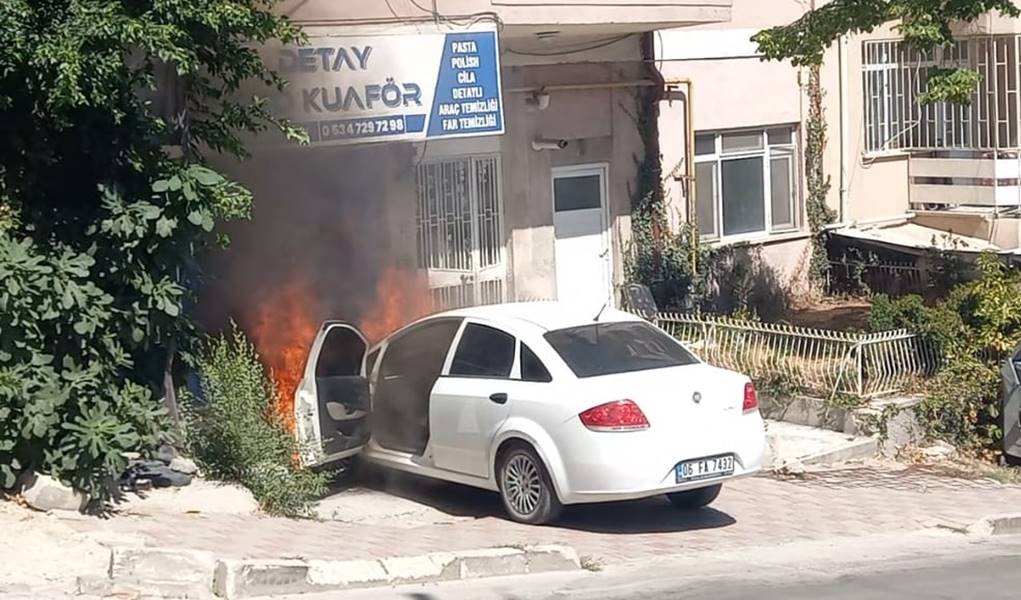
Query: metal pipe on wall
<point x="690" y="206"/>
<point x="689" y="151"/>
<point x="570" y="87"/>
<point x="844" y="128"/>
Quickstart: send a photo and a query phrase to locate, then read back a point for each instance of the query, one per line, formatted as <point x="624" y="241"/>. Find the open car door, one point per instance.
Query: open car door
<point x="332" y="406"/>
<point x="1011" y="409"/>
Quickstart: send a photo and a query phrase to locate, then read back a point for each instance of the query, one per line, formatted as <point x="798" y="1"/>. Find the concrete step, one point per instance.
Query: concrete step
<point x="789" y="443"/>
<point x="900" y="425"/>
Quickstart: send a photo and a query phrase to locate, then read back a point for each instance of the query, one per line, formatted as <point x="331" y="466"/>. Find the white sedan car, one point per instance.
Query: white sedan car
<point x="542" y="402"/>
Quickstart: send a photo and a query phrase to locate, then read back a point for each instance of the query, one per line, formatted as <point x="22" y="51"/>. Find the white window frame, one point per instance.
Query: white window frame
<point x="766" y="153"/>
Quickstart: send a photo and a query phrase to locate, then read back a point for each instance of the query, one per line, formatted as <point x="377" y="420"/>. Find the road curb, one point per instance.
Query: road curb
<point x="998" y="525"/>
<point x="852" y="450"/>
<point x="168" y="573"/>
<point x="153" y="572"/>
<point x="856" y="449"/>
<point x="247" y="578"/>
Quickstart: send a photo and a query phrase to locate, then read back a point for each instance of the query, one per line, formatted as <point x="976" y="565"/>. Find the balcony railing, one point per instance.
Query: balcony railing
<point x="979" y="179"/>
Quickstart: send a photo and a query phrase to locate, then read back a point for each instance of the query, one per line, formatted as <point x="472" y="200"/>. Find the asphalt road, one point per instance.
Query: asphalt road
<point x="932" y="565"/>
<point x="985" y="578"/>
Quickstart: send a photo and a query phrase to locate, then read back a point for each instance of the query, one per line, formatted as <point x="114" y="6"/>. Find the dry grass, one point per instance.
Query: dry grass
<point x="964" y="465"/>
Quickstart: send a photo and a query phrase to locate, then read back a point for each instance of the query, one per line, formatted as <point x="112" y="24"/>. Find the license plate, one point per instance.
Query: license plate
<point x="704" y="468"/>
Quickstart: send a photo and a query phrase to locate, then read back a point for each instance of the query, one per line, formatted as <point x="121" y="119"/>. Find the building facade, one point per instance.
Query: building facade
<point x="540" y="210"/>
<point x="906" y="176"/>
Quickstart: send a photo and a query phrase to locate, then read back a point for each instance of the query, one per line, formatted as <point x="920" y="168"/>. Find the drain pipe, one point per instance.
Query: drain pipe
<point x="844" y="128"/>
<point x="689" y="142"/>
<point x="689" y="160"/>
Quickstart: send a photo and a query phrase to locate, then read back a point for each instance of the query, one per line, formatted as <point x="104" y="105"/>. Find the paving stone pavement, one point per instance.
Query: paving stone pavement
<point x="759" y="510"/>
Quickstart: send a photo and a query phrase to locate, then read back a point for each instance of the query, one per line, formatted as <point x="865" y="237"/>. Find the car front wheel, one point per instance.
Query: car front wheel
<point x="692" y="499"/>
<point x="526" y="488"/>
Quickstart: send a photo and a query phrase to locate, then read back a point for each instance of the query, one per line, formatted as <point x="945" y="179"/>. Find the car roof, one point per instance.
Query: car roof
<point x="546" y="315"/>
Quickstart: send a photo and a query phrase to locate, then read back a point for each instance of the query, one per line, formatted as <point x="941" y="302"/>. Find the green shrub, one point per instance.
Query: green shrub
<point x="68" y="404"/>
<point x="674" y="266"/>
<point x="961" y="404"/>
<point x="106" y="207"/>
<point x="906" y="312"/>
<point x="240" y="436"/>
<point x="974" y="329"/>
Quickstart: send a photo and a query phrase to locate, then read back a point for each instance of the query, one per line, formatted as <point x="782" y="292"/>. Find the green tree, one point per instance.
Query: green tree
<point x="924" y="24"/>
<point x="106" y="204"/>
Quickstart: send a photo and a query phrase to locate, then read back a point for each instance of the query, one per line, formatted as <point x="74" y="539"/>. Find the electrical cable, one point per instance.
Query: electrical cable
<point x="595" y="46"/>
<point x="392" y="10"/>
<point x="466" y="21"/>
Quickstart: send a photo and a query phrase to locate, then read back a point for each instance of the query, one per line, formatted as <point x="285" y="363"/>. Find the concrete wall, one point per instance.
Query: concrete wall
<point x="599" y="130"/>
<point x="607" y="14"/>
<point x="1002" y="231"/>
<point x="991" y="23"/>
<point x="337" y="216"/>
<point x="877" y="183"/>
<point x="732" y="89"/>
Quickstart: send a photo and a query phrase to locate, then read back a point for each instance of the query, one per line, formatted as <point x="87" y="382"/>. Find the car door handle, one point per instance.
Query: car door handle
<point x="499" y="398"/>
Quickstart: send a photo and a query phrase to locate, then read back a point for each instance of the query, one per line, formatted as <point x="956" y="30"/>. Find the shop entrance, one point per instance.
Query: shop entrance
<point x="460" y="230"/>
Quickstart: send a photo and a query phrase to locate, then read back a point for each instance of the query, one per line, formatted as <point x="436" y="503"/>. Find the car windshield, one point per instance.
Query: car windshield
<point x="608" y="348"/>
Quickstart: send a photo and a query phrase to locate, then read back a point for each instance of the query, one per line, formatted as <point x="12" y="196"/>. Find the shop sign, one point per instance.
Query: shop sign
<point x="347" y="89"/>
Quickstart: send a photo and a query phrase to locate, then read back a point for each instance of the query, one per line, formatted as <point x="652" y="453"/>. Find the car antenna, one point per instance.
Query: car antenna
<point x="600" y="313"/>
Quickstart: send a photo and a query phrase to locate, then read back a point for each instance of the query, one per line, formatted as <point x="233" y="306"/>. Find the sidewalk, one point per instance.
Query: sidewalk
<point x="417" y="517"/>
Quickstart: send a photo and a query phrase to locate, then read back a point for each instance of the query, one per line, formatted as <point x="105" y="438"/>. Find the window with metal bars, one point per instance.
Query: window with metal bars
<point x="894" y="78"/>
<point x="459" y="221"/>
<point x="460" y="240"/>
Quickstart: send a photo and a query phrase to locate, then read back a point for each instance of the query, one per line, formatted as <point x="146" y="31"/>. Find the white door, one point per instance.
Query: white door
<point x="582" y="241"/>
<point x="470" y="401"/>
<point x="460" y="230"/>
<point x="331" y="405"/>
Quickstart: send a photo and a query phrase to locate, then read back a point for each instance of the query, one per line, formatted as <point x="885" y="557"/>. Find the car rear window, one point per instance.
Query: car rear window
<point x="608" y="348"/>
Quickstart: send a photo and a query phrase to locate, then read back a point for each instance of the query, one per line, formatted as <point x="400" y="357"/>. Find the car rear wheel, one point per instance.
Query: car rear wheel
<point x="692" y="499"/>
<point x="526" y="488"/>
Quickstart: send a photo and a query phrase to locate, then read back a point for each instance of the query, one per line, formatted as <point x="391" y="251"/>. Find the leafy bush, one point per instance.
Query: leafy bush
<point x="906" y="312"/>
<point x="101" y="224"/>
<point x="674" y="266"/>
<point x="68" y="406"/>
<point x="240" y="436"/>
<point x="974" y="329"/>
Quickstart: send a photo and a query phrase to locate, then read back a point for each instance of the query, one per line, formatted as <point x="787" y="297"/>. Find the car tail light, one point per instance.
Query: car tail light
<point x="621" y="415"/>
<point x="751" y="397"/>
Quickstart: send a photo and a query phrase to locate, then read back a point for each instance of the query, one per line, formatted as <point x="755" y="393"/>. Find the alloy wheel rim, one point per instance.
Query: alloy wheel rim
<point x="522" y="485"/>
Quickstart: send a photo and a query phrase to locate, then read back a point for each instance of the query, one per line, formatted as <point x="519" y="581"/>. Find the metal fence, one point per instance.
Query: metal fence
<point x="850" y="277"/>
<point x="818" y="361"/>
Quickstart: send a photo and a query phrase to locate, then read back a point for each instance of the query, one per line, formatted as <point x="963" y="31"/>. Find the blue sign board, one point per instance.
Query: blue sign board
<point x="350" y="89"/>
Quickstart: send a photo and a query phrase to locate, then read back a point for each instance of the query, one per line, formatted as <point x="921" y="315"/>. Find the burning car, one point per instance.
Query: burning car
<point x="540" y="402"/>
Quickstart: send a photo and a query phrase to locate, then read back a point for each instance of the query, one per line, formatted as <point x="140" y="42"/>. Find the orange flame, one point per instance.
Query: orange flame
<point x="286" y="323"/>
<point x="284" y="331"/>
<point x="401" y="297"/>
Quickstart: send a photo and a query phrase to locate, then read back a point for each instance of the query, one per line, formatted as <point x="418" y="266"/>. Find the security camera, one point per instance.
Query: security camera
<point x="539" y="100"/>
<point x="544" y="144"/>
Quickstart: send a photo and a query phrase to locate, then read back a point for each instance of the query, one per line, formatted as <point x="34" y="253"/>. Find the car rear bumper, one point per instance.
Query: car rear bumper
<point x="633" y="465"/>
